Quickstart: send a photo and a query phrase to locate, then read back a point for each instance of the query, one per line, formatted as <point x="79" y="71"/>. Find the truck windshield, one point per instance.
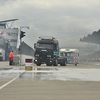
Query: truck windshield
<point x="70" y="54"/>
<point x="49" y="46"/>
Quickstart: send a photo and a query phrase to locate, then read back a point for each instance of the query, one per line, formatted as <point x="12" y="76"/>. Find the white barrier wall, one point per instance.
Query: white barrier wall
<point x="23" y="57"/>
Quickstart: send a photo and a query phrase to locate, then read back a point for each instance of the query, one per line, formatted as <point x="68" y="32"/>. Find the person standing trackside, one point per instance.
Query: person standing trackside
<point x="11" y="58"/>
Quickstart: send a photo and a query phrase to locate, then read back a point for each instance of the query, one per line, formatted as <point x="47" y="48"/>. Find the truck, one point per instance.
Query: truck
<point x="2" y="54"/>
<point x="71" y="55"/>
<point x="46" y="51"/>
<point x="62" y="58"/>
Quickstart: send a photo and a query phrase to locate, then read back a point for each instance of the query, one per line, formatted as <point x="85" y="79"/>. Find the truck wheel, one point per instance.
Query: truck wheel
<point x="38" y="64"/>
<point x="64" y="63"/>
<point x="75" y="64"/>
<point x="47" y="64"/>
<point x="56" y="63"/>
<point x="1" y="59"/>
<point x="61" y="64"/>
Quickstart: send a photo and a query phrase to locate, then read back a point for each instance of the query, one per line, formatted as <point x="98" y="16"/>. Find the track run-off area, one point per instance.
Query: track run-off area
<point x="81" y="82"/>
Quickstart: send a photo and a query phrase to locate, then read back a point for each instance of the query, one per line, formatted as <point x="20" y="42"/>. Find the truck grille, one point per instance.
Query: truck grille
<point x="44" y="55"/>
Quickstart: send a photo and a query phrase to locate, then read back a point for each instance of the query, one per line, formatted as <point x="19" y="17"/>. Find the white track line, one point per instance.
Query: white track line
<point x="11" y="81"/>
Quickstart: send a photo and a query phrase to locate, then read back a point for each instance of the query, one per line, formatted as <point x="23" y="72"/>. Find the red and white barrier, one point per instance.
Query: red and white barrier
<point x="28" y="64"/>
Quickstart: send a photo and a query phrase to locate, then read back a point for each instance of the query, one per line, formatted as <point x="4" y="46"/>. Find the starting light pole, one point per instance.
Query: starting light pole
<point x="22" y="34"/>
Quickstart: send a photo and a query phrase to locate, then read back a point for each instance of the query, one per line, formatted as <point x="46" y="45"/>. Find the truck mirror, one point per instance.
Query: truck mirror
<point x="35" y="45"/>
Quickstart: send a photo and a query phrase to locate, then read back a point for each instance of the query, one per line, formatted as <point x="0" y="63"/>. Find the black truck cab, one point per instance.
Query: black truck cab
<point x="46" y="51"/>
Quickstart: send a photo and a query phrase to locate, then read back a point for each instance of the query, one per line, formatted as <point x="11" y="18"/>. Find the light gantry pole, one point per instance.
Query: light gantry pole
<point x="21" y="27"/>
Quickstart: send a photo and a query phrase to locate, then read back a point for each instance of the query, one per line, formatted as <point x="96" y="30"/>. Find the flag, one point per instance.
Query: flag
<point x="1" y="32"/>
<point x="5" y="35"/>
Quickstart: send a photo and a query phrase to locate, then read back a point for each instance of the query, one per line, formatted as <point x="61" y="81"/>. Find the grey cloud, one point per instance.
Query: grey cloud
<point x="63" y="22"/>
<point x="2" y="2"/>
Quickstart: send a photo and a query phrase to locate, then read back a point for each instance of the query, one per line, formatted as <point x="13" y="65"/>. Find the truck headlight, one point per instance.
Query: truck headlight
<point x="48" y="55"/>
<point x="37" y="55"/>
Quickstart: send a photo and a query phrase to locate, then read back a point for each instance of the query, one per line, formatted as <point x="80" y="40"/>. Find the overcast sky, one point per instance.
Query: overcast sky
<point x="67" y="20"/>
